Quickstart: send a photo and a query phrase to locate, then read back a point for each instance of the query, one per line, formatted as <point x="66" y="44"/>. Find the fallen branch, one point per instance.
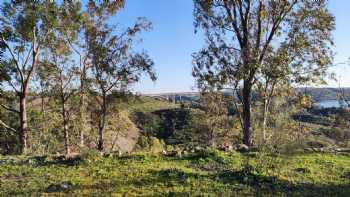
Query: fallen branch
<point x="7" y="127"/>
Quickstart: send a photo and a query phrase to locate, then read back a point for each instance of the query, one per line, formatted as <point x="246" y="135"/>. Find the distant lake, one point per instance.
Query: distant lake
<point x="328" y="103"/>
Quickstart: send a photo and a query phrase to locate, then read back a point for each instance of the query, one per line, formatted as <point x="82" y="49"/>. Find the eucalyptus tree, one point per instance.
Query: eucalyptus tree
<point x="114" y="64"/>
<point x="77" y="44"/>
<point x="62" y="79"/>
<point x="243" y="35"/>
<point x="65" y="66"/>
<point x="25" y="27"/>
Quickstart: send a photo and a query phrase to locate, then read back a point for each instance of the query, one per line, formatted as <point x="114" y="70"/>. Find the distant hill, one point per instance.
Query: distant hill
<point x="321" y="94"/>
<point x="318" y="94"/>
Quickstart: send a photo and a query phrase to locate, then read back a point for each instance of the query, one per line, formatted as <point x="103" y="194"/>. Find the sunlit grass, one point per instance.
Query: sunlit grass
<point x="205" y="173"/>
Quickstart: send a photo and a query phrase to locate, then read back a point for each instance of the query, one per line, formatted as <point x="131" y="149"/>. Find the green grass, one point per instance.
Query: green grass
<point x="206" y="173"/>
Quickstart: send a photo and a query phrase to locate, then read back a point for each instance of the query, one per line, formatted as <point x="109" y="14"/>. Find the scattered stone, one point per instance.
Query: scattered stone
<point x="342" y="150"/>
<point x="308" y="149"/>
<point x="175" y="153"/>
<point x="31" y="161"/>
<point x="315" y="144"/>
<point x="197" y="148"/>
<point x="189" y="148"/>
<point x="328" y="150"/>
<point x="242" y="148"/>
<point x="226" y="147"/>
<point x="317" y="133"/>
<point x="171" y="153"/>
<point x="319" y="150"/>
<point x="59" y="187"/>
<point x="302" y="170"/>
<point x="229" y="148"/>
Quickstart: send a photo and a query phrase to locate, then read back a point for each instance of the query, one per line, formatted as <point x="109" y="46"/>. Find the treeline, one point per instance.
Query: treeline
<point x="68" y="51"/>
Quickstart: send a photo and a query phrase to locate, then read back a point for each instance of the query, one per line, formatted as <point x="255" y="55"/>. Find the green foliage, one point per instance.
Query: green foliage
<point x="155" y="145"/>
<point x="91" y="156"/>
<point x="269" y="53"/>
<point x="151" y="144"/>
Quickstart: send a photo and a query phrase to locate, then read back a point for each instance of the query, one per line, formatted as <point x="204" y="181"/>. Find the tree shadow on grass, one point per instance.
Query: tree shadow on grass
<point x="61" y="160"/>
<point x="39" y="161"/>
<point x="177" y="182"/>
<point x="259" y="185"/>
<point x="269" y="185"/>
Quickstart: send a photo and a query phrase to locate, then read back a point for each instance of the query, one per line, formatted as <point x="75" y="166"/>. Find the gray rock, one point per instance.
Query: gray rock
<point x="242" y="148"/>
<point x="197" y="148"/>
<point x="308" y="149"/>
<point x="302" y="170"/>
<point x="229" y="148"/>
<point x="59" y="187"/>
<point x="342" y="150"/>
<point x="170" y="153"/>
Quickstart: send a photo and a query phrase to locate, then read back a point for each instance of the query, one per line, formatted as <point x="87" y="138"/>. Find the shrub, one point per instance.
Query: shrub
<point x="156" y="146"/>
<point x="91" y="155"/>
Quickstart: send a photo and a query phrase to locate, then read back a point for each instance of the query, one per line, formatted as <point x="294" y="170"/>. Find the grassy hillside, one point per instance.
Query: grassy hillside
<point x="204" y="173"/>
<point x="148" y="104"/>
<point x="195" y="172"/>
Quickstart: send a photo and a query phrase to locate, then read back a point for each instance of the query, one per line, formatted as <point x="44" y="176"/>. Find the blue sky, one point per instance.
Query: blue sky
<point x="172" y="41"/>
<point x="341" y="10"/>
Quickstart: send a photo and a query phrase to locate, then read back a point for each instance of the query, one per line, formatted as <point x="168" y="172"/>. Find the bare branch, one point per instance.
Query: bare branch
<point x="9" y="108"/>
<point x="7" y="126"/>
<point x="14" y="59"/>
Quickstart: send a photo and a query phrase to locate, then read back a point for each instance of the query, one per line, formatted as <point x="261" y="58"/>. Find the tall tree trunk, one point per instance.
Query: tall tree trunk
<point x="102" y="122"/>
<point x="66" y="136"/>
<point x="23" y="123"/>
<point x="247" y="128"/>
<point x="100" y="146"/>
<point x="82" y="108"/>
<point x="267" y="101"/>
<point x="43" y="124"/>
<point x="65" y="127"/>
<point x="64" y="113"/>
<point x="265" y="112"/>
<point x="23" y="98"/>
<point x="211" y="138"/>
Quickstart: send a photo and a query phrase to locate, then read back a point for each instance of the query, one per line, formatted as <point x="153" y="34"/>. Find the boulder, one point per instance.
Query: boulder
<point x="59" y="187"/>
<point x="302" y="170"/>
<point x="226" y="147"/>
<point x="242" y="148"/>
<point x="198" y="148"/>
<point x="342" y="150"/>
<point x="174" y="153"/>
